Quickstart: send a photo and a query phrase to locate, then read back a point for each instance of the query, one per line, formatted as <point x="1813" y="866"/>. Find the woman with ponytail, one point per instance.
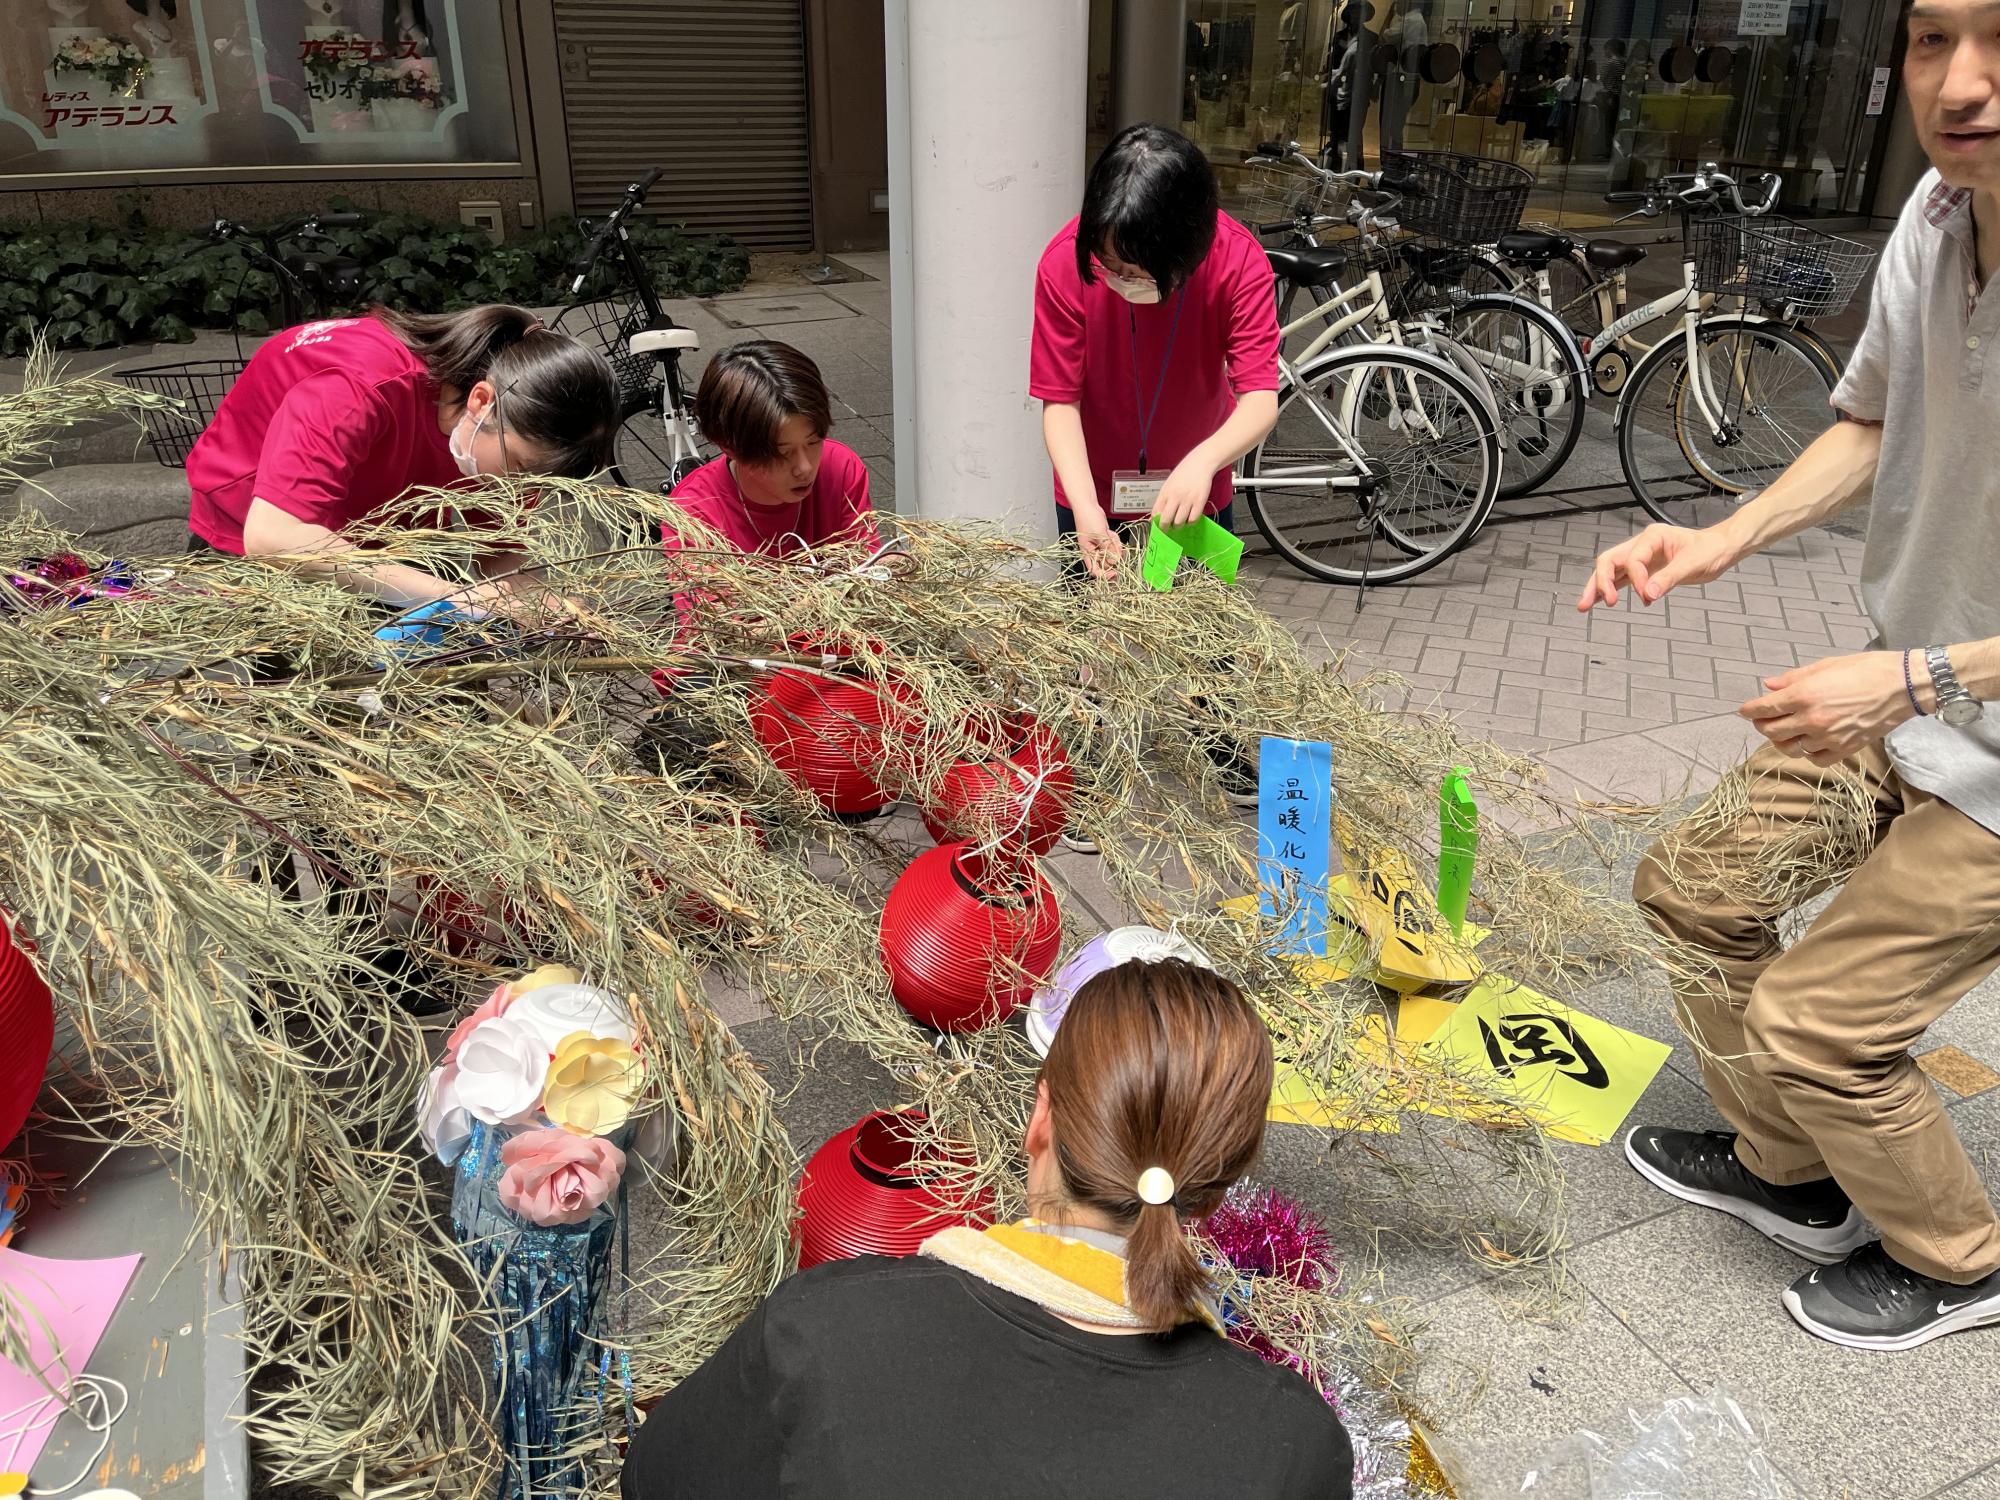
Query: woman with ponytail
<point x="332" y="420"/>
<point x="1075" y="1352"/>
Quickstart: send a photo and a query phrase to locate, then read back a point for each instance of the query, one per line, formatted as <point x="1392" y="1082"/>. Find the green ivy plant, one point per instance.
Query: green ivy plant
<point x="97" y="286"/>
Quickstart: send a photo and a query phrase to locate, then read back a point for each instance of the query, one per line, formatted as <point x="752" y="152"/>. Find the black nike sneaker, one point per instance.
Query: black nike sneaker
<point x="1869" y="1301"/>
<point x="1813" y="1219"/>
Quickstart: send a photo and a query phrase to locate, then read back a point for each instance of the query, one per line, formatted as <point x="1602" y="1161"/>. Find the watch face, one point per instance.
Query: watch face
<point x="1961" y="711"/>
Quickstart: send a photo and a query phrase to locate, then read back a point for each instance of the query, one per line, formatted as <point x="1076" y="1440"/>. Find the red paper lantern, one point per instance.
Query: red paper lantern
<point x="690" y="908"/>
<point x="862" y="1195"/>
<point x="1023" y="795"/>
<point x="27" y="1033"/>
<point x="966" y="937"/>
<point x="826" y="734"/>
<point x="457" y="922"/>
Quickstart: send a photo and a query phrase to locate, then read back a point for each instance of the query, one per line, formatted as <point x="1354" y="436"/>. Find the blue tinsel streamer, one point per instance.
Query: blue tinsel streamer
<point x="545" y="1286"/>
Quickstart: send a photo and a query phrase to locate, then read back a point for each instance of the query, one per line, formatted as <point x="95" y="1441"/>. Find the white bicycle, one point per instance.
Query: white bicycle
<point x="1509" y="343"/>
<point x="1725" y="400"/>
<point x="658" y="444"/>
<point x="1385" y="458"/>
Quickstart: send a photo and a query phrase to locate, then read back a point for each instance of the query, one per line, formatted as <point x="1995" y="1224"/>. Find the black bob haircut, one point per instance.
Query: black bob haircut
<point x="1151" y="200"/>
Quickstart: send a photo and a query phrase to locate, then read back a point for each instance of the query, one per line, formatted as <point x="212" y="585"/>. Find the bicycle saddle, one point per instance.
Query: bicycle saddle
<point x="1308" y="265"/>
<point x="1531" y="246"/>
<point x="1613" y="255"/>
<point x="1439" y="264"/>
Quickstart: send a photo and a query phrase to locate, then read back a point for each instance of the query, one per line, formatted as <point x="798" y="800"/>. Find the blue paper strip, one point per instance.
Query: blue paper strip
<point x="1295" y="839"/>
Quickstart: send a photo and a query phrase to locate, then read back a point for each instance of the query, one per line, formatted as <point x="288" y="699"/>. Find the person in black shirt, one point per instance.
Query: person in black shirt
<point x="1073" y="1353"/>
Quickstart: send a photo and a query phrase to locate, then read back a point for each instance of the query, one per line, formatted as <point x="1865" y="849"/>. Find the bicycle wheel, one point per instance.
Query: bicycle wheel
<point x="641" y="457"/>
<point x="1575" y="295"/>
<point x="1769" y="394"/>
<point x="1530" y="361"/>
<point x="1483" y="276"/>
<point x="1430" y="457"/>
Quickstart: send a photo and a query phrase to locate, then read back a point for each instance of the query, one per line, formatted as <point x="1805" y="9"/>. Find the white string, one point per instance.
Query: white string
<point x="1034" y="790"/>
<point x="89" y="1400"/>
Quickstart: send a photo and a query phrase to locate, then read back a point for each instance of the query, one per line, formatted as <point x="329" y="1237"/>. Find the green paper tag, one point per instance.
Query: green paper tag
<point x="1211" y="544"/>
<point x="1162" y="558"/>
<point x="1458" y="845"/>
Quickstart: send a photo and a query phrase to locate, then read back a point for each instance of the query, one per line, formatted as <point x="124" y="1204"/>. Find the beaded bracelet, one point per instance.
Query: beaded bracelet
<point x="1910" y="686"/>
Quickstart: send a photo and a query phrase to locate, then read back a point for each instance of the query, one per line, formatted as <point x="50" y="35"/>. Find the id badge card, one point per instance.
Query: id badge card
<point x="1134" y="492"/>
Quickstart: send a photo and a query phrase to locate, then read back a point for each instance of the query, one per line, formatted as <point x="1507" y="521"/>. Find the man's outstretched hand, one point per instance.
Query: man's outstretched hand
<point x="1656" y="560"/>
<point x="1830" y="709"/>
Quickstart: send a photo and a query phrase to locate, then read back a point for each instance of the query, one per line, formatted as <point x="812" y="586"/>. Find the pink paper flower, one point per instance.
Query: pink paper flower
<point x="552" y="1177"/>
<point x="493" y="1005"/>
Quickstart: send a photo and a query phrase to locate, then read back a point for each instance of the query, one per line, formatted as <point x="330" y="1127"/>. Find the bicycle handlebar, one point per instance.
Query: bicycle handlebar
<point x="1703" y="188"/>
<point x="635" y="194"/>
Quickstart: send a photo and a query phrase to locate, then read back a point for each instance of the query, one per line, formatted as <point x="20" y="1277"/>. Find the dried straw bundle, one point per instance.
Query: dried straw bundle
<point x="154" y="788"/>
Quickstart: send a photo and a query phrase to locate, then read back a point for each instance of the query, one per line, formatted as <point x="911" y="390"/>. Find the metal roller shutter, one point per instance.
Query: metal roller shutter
<point x="714" y="91"/>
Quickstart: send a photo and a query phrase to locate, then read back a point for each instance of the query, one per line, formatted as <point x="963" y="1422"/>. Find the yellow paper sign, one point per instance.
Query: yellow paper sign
<point x="1346" y="950"/>
<point x="1418" y="1018"/>
<point x="1578" y="1075"/>
<point x="1298" y="1100"/>
<point x="1415" y="948"/>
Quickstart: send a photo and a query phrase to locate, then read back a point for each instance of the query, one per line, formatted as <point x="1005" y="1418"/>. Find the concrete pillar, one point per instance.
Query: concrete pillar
<point x="995" y="167"/>
<point x="1148" y="62"/>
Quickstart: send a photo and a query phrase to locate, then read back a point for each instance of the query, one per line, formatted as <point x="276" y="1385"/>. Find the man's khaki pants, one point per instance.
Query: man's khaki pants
<point x="1806" y="1049"/>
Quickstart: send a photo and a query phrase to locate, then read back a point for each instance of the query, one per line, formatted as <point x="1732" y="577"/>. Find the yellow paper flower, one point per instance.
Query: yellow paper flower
<point x="592" y="1084"/>
<point x="547" y="974"/>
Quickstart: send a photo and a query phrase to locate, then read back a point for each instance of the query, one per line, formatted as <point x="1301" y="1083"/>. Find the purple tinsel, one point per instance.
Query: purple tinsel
<point x="1264" y="1233"/>
<point x="43" y="582"/>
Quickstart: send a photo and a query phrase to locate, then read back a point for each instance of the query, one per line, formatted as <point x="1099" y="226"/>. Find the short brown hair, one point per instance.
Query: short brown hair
<point x="748" y="390"/>
<point x="1157" y="1065"/>
<point x="549" y="389"/>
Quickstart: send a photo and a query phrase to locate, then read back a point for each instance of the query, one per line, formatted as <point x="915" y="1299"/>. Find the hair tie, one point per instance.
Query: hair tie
<point x="535" y="325"/>
<point x="1156" y="1186"/>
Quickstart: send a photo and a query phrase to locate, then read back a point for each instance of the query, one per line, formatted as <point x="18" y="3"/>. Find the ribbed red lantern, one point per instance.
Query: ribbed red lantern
<point x="1024" y="796"/>
<point x="967" y="937"/>
<point x="690" y="908"/>
<point x="27" y="1033"/>
<point x="455" y="920"/>
<point x="826" y="733"/>
<point x="861" y="1195"/>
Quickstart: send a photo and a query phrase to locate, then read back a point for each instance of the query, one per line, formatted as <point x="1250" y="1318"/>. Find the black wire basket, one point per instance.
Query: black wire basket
<point x="198" y="387"/>
<point x="1469" y="200"/>
<point x="1777" y="262"/>
<point x="607" y="325"/>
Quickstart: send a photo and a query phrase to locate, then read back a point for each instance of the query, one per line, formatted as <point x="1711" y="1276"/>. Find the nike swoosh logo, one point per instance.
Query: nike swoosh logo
<point x="1813" y="1280"/>
<point x="1821" y="1223"/>
<point x="1952" y="1307"/>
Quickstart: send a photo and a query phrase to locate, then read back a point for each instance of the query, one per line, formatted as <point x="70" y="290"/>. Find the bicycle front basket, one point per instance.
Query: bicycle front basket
<point x="607" y="325"/>
<point x="1470" y="200"/>
<point x="197" y="388"/>
<point x="1280" y="195"/>
<point x="1810" y="273"/>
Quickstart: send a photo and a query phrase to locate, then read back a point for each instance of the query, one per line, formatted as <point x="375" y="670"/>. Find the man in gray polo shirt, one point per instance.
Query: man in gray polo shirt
<point x="1806" y="1050"/>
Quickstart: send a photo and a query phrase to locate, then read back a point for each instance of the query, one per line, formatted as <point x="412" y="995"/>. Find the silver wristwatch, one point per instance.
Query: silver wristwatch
<point x="1955" y="705"/>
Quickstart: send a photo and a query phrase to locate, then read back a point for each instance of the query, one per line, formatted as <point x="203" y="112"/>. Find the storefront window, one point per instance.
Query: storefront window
<point x="127" y="85"/>
<point x="1592" y="96"/>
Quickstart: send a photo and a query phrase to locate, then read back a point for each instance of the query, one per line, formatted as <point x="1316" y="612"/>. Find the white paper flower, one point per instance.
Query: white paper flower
<point x="556" y="1011"/>
<point x="501" y="1069"/>
<point x="441" y="1118"/>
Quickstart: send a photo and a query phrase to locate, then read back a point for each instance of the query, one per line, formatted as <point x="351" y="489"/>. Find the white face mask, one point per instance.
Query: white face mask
<point x="1133" y="289"/>
<point x="468" y="463"/>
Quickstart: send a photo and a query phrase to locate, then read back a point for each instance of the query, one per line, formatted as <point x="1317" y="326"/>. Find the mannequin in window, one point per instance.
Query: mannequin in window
<point x="1408" y="32"/>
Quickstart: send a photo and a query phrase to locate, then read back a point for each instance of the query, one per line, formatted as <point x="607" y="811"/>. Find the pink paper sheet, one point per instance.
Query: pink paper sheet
<point x="75" y="1299"/>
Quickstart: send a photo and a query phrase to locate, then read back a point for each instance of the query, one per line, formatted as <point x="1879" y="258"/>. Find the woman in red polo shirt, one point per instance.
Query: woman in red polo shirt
<point x="331" y="420"/>
<point x="1155" y="345"/>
